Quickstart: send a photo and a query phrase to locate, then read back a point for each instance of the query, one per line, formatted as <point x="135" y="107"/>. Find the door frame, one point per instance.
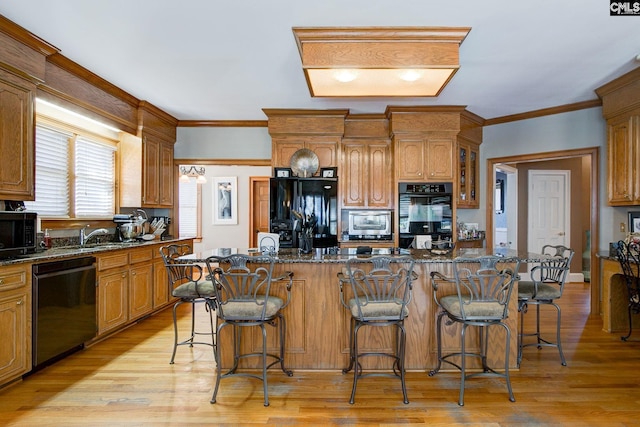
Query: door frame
<point x="512" y="194"/>
<point x="594" y="154"/>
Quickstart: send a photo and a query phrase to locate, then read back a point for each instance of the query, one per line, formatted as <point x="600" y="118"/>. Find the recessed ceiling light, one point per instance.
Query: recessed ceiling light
<point x="410" y="75"/>
<point x="345" y="75"/>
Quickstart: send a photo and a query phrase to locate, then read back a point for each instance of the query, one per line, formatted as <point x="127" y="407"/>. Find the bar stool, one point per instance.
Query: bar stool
<point x="380" y="291"/>
<point x="546" y="286"/>
<point x="628" y="254"/>
<point x="242" y="286"/>
<point x="483" y="288"/>
<point x="188" y="283"/>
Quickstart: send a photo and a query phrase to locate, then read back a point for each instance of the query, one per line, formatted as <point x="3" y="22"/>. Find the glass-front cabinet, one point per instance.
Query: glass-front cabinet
<point x="468" y="176"/>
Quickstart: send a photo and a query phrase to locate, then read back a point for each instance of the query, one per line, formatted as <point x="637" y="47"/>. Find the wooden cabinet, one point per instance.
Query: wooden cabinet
<point x="623" y="160"/>
<point x="113" y="279"/>
<point x="15" y="321"/>
<point x="157" y="159"/>
<point x="366" y="177"/>
<point x="17" y="140"/>
<point x="160" y="282"/>
<point x="325" y="148"/>
<point x="146" y="172"/>
<point x="318" y="130"/>
<point x="424" y="159"/>
<point x="621" y="109"/>
<point x="470" y="243"/>
<point x="468" y="175"/>
<point x="158" y="134"/>
<point x="125" y="287"/>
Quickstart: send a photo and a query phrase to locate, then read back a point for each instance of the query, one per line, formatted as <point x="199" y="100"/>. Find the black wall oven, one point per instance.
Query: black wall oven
<point x="424" y="209"/>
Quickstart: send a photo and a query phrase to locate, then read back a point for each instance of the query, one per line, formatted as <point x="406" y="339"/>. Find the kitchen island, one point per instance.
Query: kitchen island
<point x="318" y="324"/>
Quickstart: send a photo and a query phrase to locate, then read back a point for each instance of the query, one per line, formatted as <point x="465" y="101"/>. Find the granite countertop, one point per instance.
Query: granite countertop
<point x="331" y="255"/>
<point x="78" y="251"/>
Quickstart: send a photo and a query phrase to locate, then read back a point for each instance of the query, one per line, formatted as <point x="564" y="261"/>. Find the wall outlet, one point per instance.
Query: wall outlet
<point x="623" y="227"/>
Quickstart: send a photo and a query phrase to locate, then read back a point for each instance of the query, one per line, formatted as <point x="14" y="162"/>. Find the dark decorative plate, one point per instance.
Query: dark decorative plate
<point x="304" y="163"/>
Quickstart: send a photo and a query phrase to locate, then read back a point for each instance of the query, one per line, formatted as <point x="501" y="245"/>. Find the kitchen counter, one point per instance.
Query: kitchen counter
<point x="318" y="324"/>
<point x="76" y="251"/>
<point x="341" y="255"/>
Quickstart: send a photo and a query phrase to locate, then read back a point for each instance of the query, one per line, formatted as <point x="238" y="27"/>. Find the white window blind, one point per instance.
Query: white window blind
<point x="91" y="169"/>
<point x="188" y="208"/>
<point x="95" y="177"/>
<point x="52" y="173"/>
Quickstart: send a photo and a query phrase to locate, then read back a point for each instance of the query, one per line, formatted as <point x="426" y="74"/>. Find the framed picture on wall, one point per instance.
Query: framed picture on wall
<point x="634" y="222"/>
<point x="225" y="200"/>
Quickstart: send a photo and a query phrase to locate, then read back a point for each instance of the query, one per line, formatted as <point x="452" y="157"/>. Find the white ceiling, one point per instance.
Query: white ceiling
<point x="226" y="60"/>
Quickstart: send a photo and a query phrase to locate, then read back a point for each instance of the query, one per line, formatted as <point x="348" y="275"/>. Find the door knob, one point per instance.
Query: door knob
<point x="561" y="233"/>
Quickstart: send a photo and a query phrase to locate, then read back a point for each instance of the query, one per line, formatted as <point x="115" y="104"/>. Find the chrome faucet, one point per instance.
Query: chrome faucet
<point x="85" y="237"/>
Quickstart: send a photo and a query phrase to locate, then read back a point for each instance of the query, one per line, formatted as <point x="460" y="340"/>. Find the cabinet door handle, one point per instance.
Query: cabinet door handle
<point x="19" y="302"/>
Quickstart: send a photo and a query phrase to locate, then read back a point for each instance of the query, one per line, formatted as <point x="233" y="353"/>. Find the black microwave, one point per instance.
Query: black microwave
<point x="17" y="233"/>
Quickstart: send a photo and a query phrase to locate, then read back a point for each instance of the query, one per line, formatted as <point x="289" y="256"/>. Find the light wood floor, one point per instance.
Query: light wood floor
<point x="127" y="381"/>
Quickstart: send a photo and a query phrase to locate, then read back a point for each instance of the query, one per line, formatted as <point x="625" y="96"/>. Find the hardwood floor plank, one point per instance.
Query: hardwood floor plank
<point x="126" y="380"/>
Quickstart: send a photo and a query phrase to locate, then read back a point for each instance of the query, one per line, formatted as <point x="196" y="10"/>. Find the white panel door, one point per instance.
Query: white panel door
<point x="549" y="208"/>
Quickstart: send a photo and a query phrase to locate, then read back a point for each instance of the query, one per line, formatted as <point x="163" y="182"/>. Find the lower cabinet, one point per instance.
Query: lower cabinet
<point x="125" y="287"/>
<point x="160" y="282"/>
<point x="112" y="301"/>
<point x="15" y="322"/>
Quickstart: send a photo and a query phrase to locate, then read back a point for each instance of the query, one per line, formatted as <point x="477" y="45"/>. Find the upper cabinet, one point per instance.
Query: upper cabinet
<point x="621" y="109"/>
<point x="467" y="175"/>
<point x="146" y="161"/>
<point x="17" y="140"/>
<point x="424" y="159"/>
<point x="158" y="133"/>
<point x="22" y="67"/>
<point x="468" y="161"/>
<point x="318" y="130"/>
<point x="425" y="140"/>
<point x="622" y="160"/>
<point x="365" y="174"/>
<point x="325" y="148"/>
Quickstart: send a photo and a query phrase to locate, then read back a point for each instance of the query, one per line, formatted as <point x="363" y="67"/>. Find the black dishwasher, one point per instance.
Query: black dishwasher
<point x="64" y="308"/>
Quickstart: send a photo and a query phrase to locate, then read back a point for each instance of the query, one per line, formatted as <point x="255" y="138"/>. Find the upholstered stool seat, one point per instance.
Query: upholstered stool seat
<point x="244" y="297"/>
<point x="376" y="291"/>
<point x="477" y="296"/>
<point x="190" y="285"/>
<point x="545" y="287"/>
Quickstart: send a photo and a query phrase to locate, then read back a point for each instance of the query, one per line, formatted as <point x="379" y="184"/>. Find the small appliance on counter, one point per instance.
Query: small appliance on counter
<point x="128" y="227"/>
<point x="17" y="233"/>
<point x="369" y="225"/>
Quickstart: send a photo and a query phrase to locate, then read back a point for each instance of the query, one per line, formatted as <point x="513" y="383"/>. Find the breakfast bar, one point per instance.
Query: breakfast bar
<point x="317" y="323"/>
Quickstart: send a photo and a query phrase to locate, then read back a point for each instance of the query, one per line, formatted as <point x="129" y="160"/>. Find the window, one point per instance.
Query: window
<point x="75" y="174"/>
<point x="190" y="200"/>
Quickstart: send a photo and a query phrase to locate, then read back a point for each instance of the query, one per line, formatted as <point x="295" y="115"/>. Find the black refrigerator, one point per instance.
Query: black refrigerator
<point x="315" y="202"/>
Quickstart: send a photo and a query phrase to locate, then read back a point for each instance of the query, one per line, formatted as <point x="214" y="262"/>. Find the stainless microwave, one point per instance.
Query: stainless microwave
<point x="370" y="224"/>
<point x="17" y="233"/>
